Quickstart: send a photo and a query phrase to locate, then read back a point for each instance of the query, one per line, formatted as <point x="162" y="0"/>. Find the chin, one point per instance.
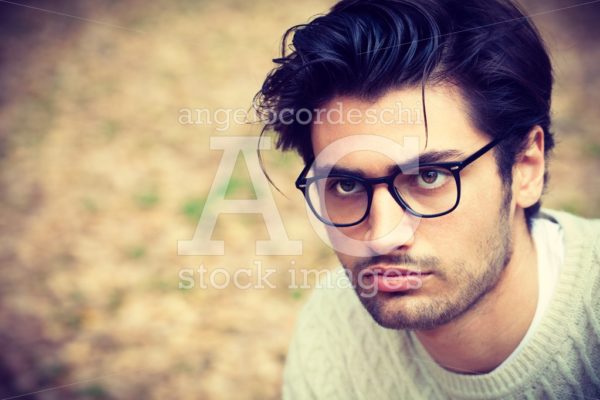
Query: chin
<point x="406" y="311"/>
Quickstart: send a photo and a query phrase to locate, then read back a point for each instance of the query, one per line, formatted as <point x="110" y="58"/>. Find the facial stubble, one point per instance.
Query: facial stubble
<point x="395" y="311"/>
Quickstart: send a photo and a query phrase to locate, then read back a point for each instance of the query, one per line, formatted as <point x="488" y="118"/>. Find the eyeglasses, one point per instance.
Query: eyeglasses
<point x="424" y="190"/>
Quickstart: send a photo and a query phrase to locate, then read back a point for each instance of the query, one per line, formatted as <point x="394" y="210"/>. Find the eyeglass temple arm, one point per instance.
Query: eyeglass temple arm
<point x="301" y="180"/>
<point x="479" y="153"/>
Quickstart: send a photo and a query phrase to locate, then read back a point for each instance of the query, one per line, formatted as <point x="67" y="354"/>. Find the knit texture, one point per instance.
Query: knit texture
<point x="340" y="352"/>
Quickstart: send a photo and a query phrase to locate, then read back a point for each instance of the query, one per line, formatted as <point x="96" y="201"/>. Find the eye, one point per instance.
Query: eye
<point x="432" y="178"/>
<point x="345" y="186"/>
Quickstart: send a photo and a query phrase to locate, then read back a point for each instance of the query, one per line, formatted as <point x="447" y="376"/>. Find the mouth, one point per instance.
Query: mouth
<point x="395" y="279"/>
<point x="392" y="271"/>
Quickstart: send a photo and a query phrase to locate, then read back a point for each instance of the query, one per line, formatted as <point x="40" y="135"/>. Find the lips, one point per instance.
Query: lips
<point x="394" y="279"/>
<point x="393" y="272"/>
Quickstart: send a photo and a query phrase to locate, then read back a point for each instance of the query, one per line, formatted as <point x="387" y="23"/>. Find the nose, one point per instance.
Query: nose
<point x="389" y="227"/>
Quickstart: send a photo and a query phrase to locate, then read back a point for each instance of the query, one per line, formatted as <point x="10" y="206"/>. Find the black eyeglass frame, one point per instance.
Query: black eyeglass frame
<point x="454" y="167"/>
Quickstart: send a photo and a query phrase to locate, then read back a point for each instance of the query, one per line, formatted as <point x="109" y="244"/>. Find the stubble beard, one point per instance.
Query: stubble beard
<point x="474" y="284"/>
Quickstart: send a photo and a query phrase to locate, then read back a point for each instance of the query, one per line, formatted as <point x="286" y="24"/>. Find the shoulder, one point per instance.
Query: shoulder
<point x="581" y="240"/>
<point x="581" y="266"/>
<point x="334" y="342"/>
<point x="314" y="365"/>
<point x="335" y="311"/>
<point x="332" y="298"/>
<point x="584" y="229"/>
<point x="324" y="321"/>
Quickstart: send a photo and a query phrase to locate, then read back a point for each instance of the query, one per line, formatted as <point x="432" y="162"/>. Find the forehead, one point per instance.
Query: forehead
<point x="368" y="131"/>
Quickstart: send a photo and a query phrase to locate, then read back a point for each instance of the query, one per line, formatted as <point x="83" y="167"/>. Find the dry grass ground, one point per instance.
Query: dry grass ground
<point x="98" y="182"/>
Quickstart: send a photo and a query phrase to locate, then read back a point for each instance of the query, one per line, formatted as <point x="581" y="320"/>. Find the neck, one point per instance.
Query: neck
<point x="482" y="338"/>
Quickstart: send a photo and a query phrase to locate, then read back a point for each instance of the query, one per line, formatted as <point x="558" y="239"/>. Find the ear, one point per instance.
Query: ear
<point x="528" y="172"/>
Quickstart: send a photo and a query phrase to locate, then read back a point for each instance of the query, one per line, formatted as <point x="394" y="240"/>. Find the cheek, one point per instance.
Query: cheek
<point x="477" y="213"/>
<point x="482" y="192"/>
<point x="453" y="238"/>
<point x="468" y="229"/>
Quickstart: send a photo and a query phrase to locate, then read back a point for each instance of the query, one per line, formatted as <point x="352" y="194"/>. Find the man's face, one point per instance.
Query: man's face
<point x="461" y="255"/>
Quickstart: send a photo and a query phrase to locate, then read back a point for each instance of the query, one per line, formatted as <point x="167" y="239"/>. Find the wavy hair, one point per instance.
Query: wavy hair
<point x="362" y="48"/>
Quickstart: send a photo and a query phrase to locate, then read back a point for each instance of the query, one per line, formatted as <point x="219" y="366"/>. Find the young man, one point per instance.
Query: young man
<point x="454" y="283"/>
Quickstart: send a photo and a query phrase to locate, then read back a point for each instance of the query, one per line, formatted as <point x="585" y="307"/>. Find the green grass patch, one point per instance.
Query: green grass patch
<point x="192" y="209"/>
<point x="572" y="207"/>
<point x="296" y="294"/>
<point x="94" y="391"/>
<point x="147" y="199"/>
<point x="136" y="252"/>
<point x="89" y="205"/>
<point x="110" y="128"/>
<point x="592" y="149"/>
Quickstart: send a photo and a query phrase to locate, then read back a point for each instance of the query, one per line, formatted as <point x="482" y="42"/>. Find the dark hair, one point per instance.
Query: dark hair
<point x="363" y="48"/>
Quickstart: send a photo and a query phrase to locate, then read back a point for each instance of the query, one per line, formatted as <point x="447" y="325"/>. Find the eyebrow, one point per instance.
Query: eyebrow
<point x="425" y="158"/>
<point x="437" y="156"/>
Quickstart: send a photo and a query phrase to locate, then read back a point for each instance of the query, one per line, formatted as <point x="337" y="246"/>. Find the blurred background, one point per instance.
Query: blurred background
<point x="99" y="179"/>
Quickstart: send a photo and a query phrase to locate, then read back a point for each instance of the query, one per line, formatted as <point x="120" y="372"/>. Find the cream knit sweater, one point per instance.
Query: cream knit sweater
<point x="339" y="352"/>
